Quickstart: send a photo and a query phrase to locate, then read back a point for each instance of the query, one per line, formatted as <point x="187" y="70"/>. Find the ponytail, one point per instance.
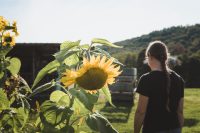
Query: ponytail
<point x="168" y="83"/>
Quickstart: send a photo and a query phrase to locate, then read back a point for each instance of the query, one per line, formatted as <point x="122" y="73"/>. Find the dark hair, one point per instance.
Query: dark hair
<point x="159" y="51"/>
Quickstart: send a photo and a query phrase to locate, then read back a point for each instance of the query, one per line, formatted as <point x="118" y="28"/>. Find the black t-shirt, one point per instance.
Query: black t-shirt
<point x="153" y="85"/>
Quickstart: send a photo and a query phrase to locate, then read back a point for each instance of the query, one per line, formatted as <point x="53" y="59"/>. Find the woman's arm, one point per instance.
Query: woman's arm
<point x="140" y="113"/>
<point x="180" y="112"/>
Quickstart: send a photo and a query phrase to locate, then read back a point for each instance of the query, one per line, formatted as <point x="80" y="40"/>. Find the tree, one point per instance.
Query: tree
<point x="141" y="66"/>
<point x="131" y="60"/>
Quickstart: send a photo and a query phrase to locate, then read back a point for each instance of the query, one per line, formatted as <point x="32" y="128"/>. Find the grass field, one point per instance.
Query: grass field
<point x="122" y="116"/>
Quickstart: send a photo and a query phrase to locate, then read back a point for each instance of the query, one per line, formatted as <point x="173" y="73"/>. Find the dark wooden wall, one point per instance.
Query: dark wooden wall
<point x="33" y="56"/>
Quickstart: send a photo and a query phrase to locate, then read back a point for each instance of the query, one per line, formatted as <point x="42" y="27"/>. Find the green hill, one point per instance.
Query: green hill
<point x="182" y="41"/>
<point x="179" y="39"/>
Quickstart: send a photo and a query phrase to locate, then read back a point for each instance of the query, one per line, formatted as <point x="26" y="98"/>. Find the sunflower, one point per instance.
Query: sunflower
<point x="93" y="74"/>
<point x="3" y="23"/>
<point x="15" y="28"/>
<point x="8" y="39"/>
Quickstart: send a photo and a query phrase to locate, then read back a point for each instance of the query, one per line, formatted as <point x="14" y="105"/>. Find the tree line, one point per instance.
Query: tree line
<point x="184" y="46"/>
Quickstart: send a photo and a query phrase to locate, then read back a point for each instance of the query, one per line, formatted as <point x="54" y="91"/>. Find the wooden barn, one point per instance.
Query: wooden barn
<point x="33" y="56"/>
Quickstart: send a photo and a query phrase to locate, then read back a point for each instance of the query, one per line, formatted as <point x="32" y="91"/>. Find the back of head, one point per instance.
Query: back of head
<point x="158" y="50"/>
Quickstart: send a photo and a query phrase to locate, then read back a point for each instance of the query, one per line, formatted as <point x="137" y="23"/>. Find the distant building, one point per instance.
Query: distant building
<point x="34" y="56"/>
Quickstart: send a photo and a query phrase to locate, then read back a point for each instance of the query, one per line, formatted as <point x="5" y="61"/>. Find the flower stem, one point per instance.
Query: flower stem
<point x="68" y="118"/>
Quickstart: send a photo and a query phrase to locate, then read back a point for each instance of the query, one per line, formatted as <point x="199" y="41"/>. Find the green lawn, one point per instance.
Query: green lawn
<point x="122" y="116"/>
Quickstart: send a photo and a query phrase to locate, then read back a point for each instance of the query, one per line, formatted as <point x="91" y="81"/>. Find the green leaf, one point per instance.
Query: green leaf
<point x="69" y="44"/>
<point x="4" y="51"/>
<point x="21" y="116"/>
<point x="63" y="54"/>
<point x="26" y="86"/>
<point x="67" y="129"/>
<point x="61" y="69"/>
<point x="52" y="70"/>
<point x="64" y="101"/>
<point x="12" y="100"/>
<point x="51" y="129"/>
<point x="66" y="50"/>
<point x="71" y="60"/>
<point x="106" y="91"/>
<point x="48" y="68"/>
<point x="104" y="42"/>
<point x="4" y="104"/>
<point x="60" y="97"/>
<point x="52" y="114"/>
<point x="1" y="75"/>
<point x="14" y="66"/>
<point x="26" y="105"/>
<point x="85" y="46"/>
<point x="99" y="123"/>
<point x="79" y="105"/>
<point x="7" y="122"/>
<point x="103" y="52"/>
<point x="87" y="99"/>
<point x="43" y="87"/>
<point x="56" y="95"/>
<point x="14" y="119"/>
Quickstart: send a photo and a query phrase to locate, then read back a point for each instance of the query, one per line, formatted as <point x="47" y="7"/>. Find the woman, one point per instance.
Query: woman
<point x="161" y="92"/>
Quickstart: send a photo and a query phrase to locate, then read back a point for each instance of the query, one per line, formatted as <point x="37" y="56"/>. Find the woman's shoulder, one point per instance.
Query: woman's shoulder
<point x="176" y="75"/>
<point x="145" y="75"/>
<point x="152" y="74"/>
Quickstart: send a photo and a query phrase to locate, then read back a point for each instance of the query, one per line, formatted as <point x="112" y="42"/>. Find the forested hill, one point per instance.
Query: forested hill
<point x="179" y="39"/>
<point x="183" y="43"/>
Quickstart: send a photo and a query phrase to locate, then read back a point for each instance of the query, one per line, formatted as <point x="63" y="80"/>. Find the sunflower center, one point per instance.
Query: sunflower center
<point x="8" y="39"/>
<point x="93" y="79"/>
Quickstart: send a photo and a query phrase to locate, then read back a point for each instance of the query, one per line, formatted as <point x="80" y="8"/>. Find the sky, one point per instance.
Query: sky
<point x="52" y="21"/>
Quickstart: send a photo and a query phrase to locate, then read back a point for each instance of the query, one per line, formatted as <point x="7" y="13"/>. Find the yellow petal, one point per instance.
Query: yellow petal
<point x="109" y="62"/>
<point x="85" y="61"/>
<point x="68" y="83"/>
<point x="102" y="61"/>
<point x="110" y="80"/>
<point x="92" y="60"/>
<point x="69" y="77"/>
<point x="97" y="59"/>
<point x="91" y="91"/>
